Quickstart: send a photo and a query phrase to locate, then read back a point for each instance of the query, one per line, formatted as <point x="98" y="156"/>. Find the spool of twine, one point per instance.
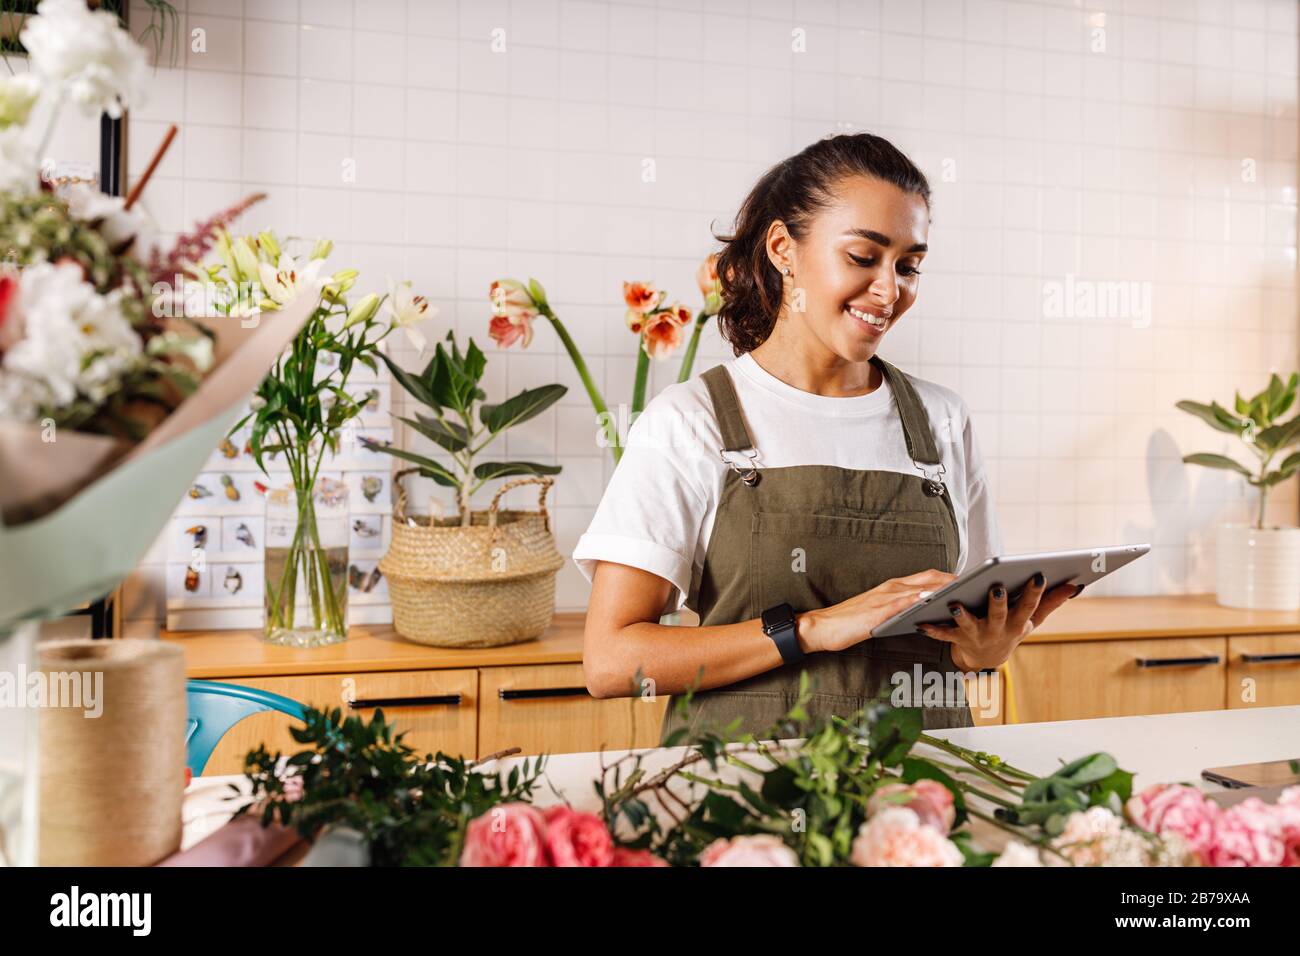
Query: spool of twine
<point x="112" y="785"/>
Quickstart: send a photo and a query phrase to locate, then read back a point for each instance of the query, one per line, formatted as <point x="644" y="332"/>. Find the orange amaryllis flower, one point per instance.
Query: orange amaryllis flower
<point x="513" y="311"/>
<point x="707" y="279"/>
<point x="641" y="299"/>
<point x="663" y="333"/>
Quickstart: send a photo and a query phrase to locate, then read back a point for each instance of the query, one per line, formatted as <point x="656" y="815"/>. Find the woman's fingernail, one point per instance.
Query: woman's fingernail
<point x="1039" y="580"/>
<point x="1077" y="591"/>
<point x="955" y="609"/>
<point x="999" y="593"/>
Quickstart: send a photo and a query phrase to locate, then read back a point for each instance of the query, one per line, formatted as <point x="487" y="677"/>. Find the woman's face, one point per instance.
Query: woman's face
<point x="854" y="273"/>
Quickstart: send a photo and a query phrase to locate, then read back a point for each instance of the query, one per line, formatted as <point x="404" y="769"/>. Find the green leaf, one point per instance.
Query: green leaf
<point x="1276" y="437"/>
<point x="893" y="733"/>
<point x="448" y="435"/>
<point x="428" y="465"/>
<point x="527" y="404"/>
<point x="414" y="387"/>
<point x="1217" y="461"/>
<point x="490" y="470"/>
<point x="1223" y="422"/>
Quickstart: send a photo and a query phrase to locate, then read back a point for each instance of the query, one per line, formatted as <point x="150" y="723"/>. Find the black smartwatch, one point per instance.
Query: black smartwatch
<point x="779" y="625"/>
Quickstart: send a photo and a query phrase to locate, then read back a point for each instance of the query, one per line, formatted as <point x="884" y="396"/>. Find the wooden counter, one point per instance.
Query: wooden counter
<point x="217" y="654"/>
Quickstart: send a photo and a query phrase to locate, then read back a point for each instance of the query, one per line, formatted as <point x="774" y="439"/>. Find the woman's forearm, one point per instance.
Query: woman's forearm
<point x="624" y="661"/>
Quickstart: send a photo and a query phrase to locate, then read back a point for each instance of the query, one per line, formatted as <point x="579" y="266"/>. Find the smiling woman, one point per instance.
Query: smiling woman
<point x="806" y="491"/>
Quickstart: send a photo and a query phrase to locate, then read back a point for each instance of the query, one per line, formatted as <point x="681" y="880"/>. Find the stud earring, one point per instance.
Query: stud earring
<point x="785" y="270"/>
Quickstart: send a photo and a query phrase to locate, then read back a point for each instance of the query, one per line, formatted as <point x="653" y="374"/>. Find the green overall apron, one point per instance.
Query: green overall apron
<point x="812" y="536"/>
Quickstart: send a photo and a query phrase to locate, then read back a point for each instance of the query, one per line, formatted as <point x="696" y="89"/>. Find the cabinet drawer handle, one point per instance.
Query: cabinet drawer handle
<point x="1270" y="658"/>
<point x="537" y="693"/>
<point x="1178" y="661"/>
<point x="438" y="700"/>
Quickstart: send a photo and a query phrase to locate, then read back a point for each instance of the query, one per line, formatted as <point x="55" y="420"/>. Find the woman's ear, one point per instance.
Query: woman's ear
<point x="780" y="247"/>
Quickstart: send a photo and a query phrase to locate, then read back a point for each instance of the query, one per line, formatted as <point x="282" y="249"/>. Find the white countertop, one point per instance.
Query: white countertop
<point x="1164" y="748"/>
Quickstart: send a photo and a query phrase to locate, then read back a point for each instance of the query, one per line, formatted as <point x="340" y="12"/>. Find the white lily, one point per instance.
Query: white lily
<point x="87" y="55"/>
<point x="406" y="310"/>
<point x="284" y="281"/>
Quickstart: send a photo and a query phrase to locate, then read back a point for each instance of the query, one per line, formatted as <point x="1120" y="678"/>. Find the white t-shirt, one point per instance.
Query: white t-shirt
<point x="657" y="511"/>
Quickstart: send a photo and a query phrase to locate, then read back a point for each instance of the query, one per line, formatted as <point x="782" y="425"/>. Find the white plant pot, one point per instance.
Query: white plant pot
<point x="1259" y="569"/>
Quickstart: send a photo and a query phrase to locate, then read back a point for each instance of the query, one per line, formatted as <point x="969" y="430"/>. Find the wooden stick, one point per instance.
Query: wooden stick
<point x="143" y="181"/>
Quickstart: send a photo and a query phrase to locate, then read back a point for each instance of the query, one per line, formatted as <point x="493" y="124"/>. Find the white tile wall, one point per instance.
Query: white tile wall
<point x="1151" y="141"/>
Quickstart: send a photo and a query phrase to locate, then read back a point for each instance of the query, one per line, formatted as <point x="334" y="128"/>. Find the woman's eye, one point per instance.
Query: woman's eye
<point x="909" y="271"/>
<point x="859" y="260"/>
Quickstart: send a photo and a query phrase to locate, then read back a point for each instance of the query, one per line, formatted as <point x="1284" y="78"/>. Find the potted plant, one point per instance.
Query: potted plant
<point x="479" y="578"/>
<point x="1257" y="566"/>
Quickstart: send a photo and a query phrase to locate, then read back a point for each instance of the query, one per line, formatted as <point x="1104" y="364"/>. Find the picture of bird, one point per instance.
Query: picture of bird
<point x="191" y="578"/>
<point x="244" y="536"/>
<point x="200" y="534"/>
<point x="198" y="490"/>
<point x="228" y="449"/>
<point x="233" y="581"/>
<point x="364" y="529"/>
<point x="371" y="487"/>
<point x="363" y="581"/>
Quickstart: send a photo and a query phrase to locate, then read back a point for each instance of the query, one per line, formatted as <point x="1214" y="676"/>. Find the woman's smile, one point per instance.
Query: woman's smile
<point x="870" y="320"/>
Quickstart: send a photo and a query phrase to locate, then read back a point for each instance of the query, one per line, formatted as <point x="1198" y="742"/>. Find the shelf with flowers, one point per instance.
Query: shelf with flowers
<point x="659" y="324"/>
<point x="868" y="789"/>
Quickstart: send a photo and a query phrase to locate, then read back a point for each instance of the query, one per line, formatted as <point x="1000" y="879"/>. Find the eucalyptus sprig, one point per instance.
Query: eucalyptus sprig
<point x="1257" y="422"/>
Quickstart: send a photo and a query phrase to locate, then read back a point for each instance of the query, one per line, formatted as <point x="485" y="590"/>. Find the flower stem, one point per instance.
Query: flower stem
<point x="597" y="400"/>
<point x="642" y="376"/>
<point x="688" y="359"/>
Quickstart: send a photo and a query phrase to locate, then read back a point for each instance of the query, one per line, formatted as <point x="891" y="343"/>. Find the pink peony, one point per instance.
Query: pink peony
<point x="1176" y="808"/>
<point x="1248" y="834"/>
<point x="577" y="839"/>
<point x="624" y="857"/>
<point x="1288" y="813"/>
<point x="930" y="800"/>
<point x="1016" y="853"/>
<point x="896" y="837"/>
<point x="761" y="850"/>
<point x="511" y="834"/>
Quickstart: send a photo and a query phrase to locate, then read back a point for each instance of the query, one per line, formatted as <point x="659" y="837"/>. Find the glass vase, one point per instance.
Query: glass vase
<point x="307" y="564"/>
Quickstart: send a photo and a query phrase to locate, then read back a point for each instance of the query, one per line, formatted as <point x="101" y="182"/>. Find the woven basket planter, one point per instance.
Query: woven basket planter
<point x="487" y="584"/>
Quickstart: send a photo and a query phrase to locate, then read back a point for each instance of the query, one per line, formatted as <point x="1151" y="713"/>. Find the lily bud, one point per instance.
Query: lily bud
<point x="536" y="293"/>
<point x="322" y="249"/>
<point x="363" y="311"/>
<point x="269" y="245"/>
<point x="246" y="265"/>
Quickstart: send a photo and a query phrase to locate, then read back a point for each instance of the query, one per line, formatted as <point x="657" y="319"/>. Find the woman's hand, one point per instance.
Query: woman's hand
<point x="850" y="622"/>
<point x="978" y="644"/>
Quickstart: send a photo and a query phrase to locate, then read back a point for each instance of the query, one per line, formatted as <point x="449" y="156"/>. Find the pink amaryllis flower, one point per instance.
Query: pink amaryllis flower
<point x="513" y="312"/>
<point x="930" y="800"/>
<point x="1176" y="808"/>
<point x="641" y="298"/>
<point x="511" y="834"/>
<point x="577" y="839"/>
<point x="896" y="837"/>
<point x="757" y="850"/>
<point x="663" y="332"/>
<point x="706" y="277"/>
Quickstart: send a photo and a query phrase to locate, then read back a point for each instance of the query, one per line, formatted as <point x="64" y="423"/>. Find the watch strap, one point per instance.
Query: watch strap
<point x="779" y="624"/>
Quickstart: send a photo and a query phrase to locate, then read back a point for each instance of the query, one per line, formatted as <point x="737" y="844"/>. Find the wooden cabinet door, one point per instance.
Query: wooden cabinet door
<point x="648" y="720"/>
<point x="546" y="709"/>
<point x="1078" y="680"/>
<point x="437" y="709"/>
<point x="1264" y="670"/>
<point x="986" y="695"/>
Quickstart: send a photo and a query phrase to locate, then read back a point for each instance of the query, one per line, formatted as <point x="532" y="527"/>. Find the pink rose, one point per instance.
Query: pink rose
<point x="511" y="834"/>
<point x="759" y="850"/>
<point x="1248" y="834"/>
<point x="1176" y="808"/>
<point x="896" y="837"/>
<point x="577" y="839"/>
<point x="930" y="800"/>
<point x="293" y="788"/>
<point x="1288" y="814"/>
<point x="624" y="857"/>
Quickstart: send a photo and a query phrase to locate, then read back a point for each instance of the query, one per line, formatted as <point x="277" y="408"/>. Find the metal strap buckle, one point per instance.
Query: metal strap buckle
<point x="749" y="475"/>
<point x="933" y="484"/>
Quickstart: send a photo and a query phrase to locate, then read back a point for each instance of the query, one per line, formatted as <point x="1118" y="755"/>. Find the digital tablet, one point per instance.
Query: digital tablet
<point x="1013" y="571"/>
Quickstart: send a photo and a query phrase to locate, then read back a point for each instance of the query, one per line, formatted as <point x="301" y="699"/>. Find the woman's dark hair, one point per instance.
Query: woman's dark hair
<point x="793" y="191"/>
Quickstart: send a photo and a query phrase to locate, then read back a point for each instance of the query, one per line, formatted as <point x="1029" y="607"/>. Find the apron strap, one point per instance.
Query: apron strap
<point x="916" y="423"/>
<point x="726" y="408"/>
